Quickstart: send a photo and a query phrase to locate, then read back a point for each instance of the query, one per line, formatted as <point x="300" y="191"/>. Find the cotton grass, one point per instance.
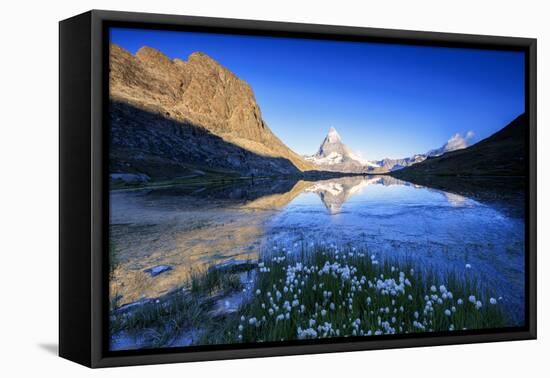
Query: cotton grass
<point x="328" y="291"/>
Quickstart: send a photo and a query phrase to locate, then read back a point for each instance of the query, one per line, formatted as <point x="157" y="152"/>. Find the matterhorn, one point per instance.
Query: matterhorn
<point x="334" y="155"/>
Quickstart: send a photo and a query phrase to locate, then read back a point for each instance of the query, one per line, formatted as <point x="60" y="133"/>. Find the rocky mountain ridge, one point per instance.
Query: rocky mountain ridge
<point x="198" y="92"/>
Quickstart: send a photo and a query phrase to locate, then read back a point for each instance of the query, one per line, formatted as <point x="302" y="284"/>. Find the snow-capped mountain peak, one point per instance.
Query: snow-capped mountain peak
<point x="334" y="155"/>
<point x="332" y="144"/>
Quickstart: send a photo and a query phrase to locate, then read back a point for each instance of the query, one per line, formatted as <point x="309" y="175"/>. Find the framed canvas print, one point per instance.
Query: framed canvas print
<point x="234" y="188"/>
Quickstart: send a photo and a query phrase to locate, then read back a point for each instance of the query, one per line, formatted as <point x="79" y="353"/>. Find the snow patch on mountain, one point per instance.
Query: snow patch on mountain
<point x="366" y="162"/>
<point x="456" y="142"/>
<point x="330" y="159"/>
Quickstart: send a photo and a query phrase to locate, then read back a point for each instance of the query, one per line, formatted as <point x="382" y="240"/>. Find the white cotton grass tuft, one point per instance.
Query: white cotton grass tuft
<point x="321" y="298"/>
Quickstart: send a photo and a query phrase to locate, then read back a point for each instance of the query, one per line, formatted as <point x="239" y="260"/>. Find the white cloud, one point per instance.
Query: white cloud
<point x="457" y="141"/>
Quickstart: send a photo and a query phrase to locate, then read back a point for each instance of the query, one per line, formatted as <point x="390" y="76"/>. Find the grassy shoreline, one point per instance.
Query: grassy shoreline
<point x="332" y="292"/>
<point x="317" y="291"/>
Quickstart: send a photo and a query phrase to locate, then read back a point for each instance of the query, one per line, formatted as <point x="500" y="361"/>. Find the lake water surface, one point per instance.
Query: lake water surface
<point x="191" y="228"/>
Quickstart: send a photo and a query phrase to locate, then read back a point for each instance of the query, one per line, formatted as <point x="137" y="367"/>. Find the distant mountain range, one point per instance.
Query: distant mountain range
<point x="334" y="155"/>
<point x="172" y="119"/>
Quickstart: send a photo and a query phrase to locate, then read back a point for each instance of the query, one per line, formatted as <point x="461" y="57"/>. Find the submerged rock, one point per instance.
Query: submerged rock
<point x="159" y="269"/>
<point x="128" y="307"/>
<point x="234" y="266"/>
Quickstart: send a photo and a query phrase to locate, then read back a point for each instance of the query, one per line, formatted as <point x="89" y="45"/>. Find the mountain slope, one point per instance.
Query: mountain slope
<point x="501" y="154"/>
<point x="389" y="165"/>
<point x="198" y="92"/>
<point x="456" y="142"/>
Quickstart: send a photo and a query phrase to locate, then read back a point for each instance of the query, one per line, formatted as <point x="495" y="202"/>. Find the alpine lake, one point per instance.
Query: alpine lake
<point x="269" y="260"/>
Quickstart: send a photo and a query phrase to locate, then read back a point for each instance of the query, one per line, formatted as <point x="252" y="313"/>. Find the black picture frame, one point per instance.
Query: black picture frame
<point x="83" y="195"/>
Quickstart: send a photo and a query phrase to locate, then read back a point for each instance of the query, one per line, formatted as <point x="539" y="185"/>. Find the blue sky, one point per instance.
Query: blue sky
<point x="384" y="100"/>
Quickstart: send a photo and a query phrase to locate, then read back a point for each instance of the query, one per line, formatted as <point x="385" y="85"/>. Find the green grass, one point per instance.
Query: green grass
<point x="215" y="280"/>
<point x="318" y="292"/>
<point x="321" y="293"/>
<point x="158" y="321"/>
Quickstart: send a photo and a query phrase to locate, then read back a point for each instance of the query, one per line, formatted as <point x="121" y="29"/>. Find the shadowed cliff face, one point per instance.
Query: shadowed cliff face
<point x="198" y="91"/>
<point x="147" y="143"/>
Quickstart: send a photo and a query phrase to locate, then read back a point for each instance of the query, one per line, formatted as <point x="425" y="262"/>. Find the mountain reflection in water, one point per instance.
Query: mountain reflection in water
<point x="190" y="228"/>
